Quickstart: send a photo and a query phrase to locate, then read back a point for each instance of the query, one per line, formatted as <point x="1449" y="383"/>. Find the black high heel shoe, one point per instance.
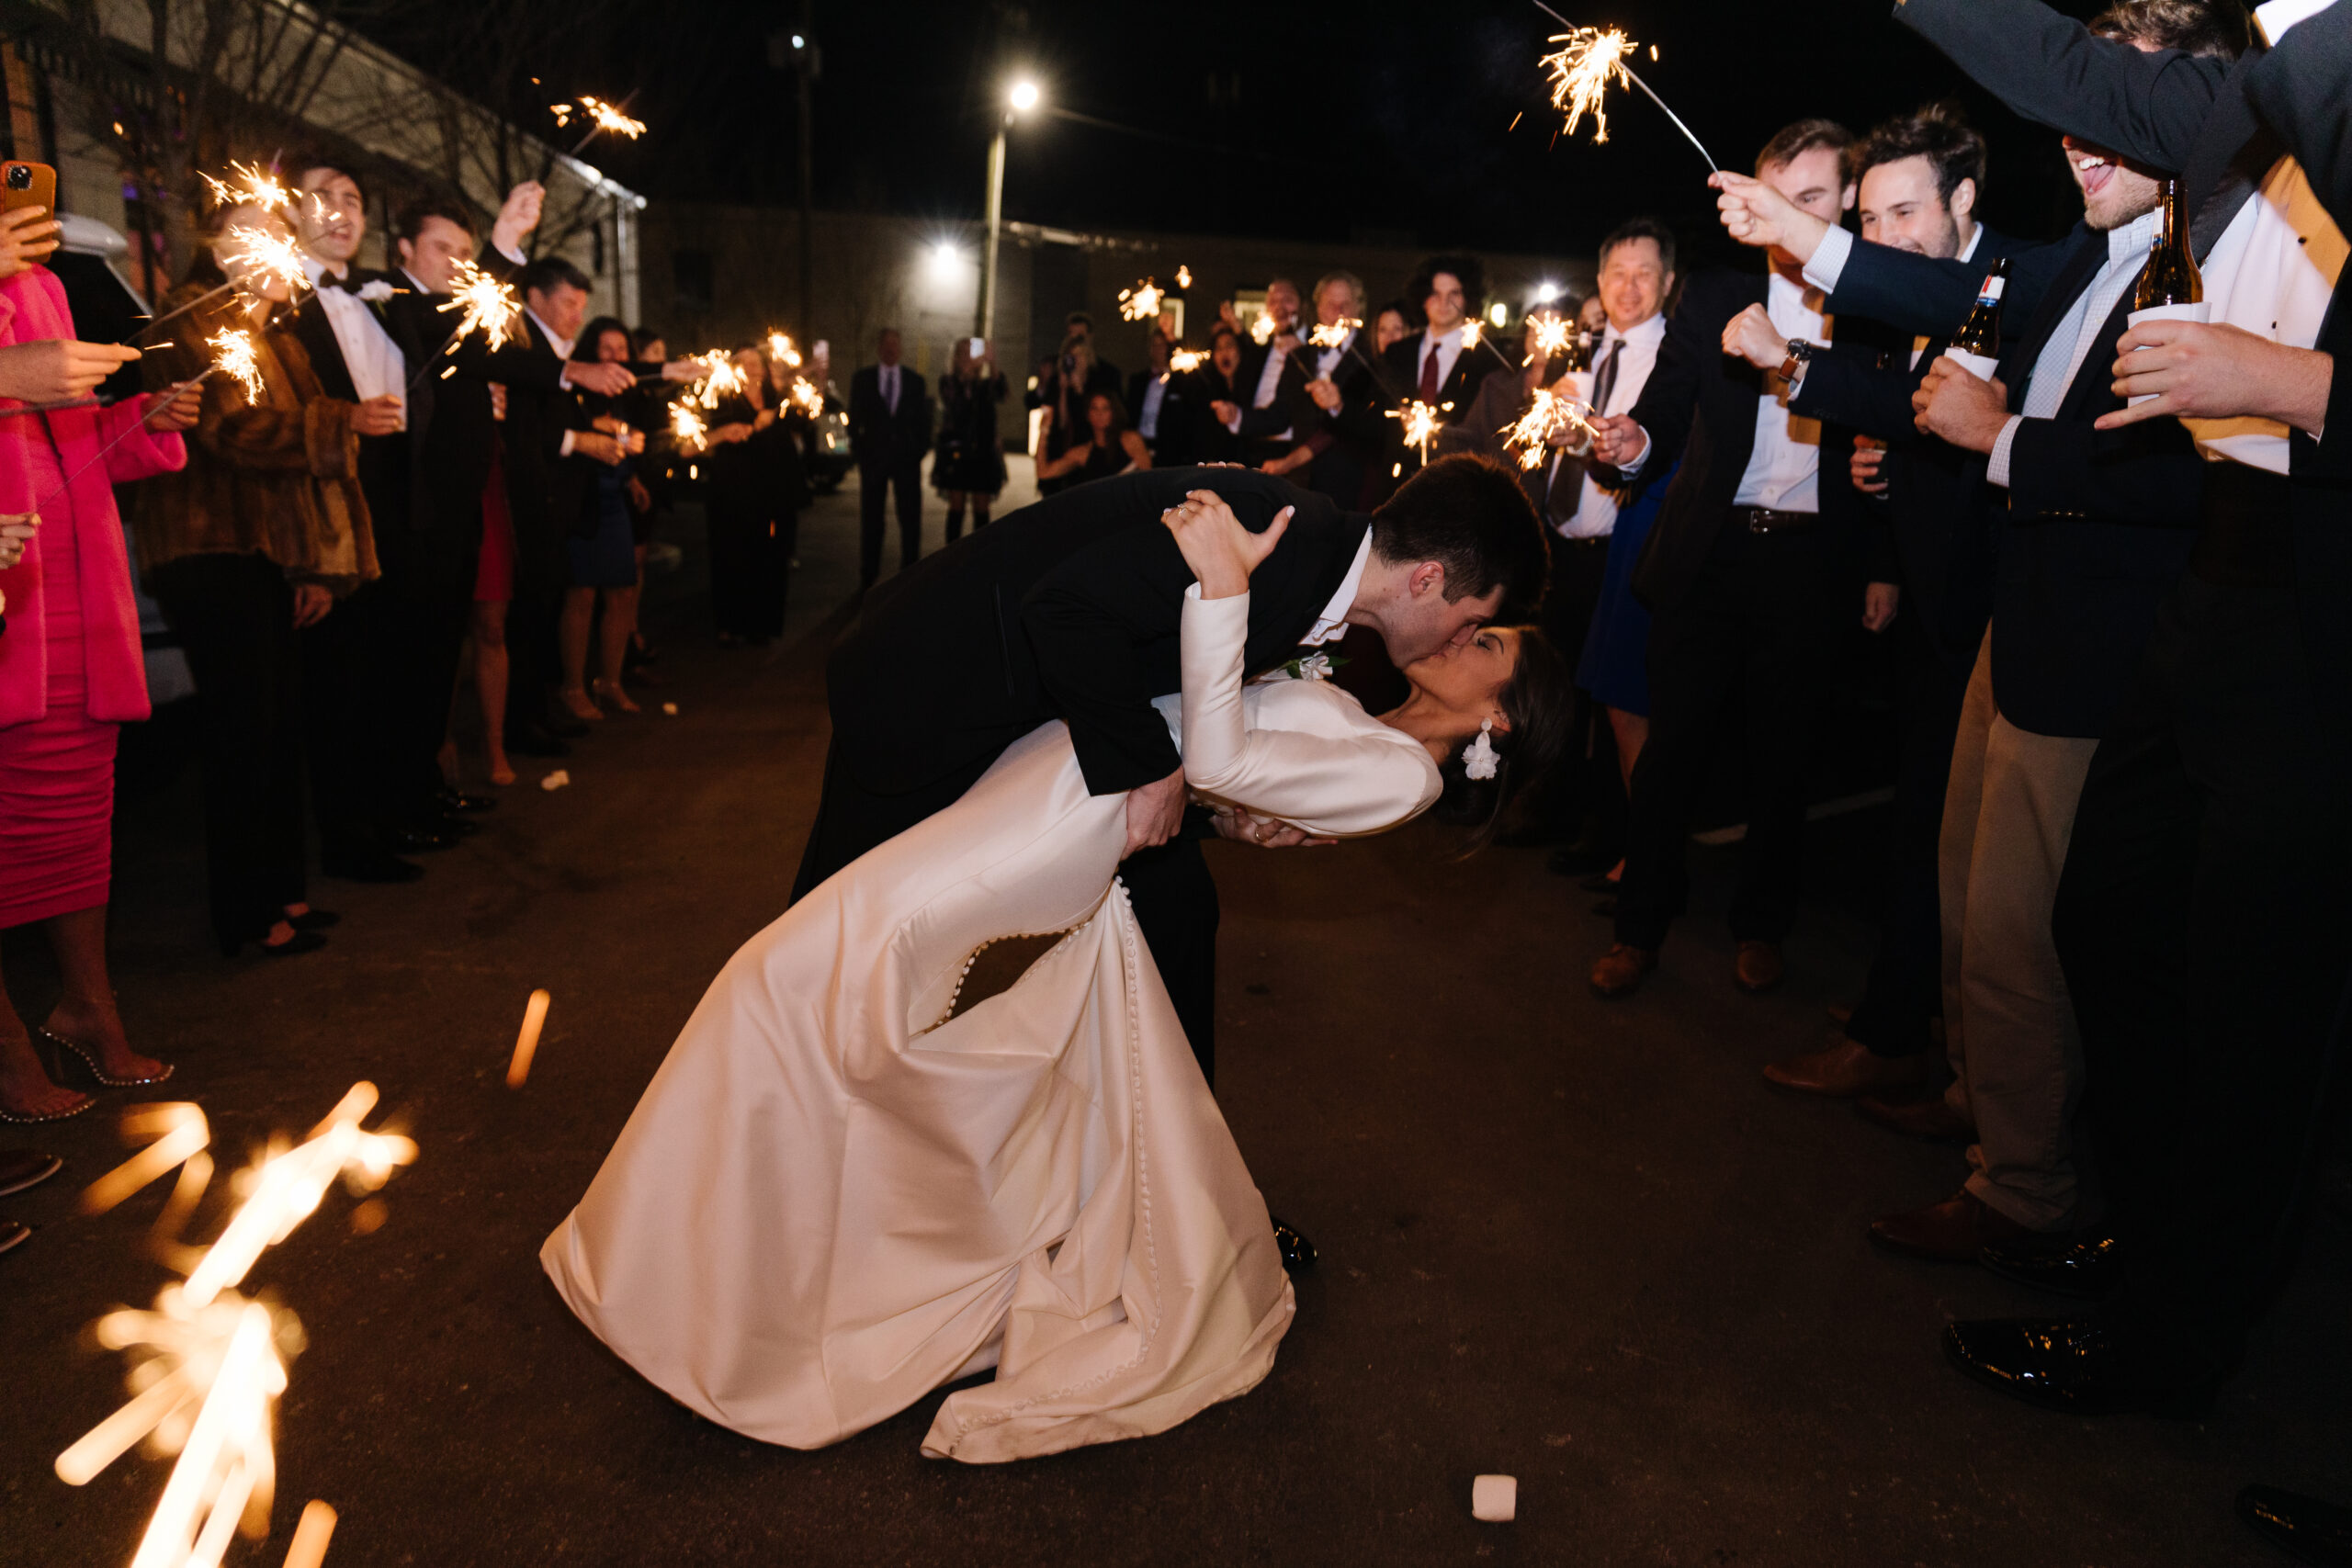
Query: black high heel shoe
<point x="89" y="1056"/>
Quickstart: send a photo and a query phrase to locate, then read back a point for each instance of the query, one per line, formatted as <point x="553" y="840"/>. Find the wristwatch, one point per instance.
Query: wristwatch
<point x="1799" y="355"/>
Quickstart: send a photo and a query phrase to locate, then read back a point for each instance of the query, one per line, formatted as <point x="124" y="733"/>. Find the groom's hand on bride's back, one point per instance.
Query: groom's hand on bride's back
<point x="1155" y="811"/>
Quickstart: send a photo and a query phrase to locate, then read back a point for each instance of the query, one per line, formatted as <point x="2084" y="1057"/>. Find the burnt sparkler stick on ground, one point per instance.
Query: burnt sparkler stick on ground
<point x="1582" y="68"/>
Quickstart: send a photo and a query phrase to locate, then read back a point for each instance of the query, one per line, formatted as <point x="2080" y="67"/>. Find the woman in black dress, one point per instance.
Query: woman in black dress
<point x="753" y="490"/>
<point x="970" y="464"/>
<point x="1105" y="446"/>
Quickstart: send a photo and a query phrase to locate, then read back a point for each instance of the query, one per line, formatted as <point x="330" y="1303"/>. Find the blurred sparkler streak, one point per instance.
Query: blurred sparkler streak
<point x="1335" y="334"/>
<point x="1183" y="276"/>
<point x="693" y="433"/>
<point x="781" y="350"/>
<point x="1261" y="330"/>
<point x="1582" y="68"/>
<point x="722" y="376"/>
<point x="1184" y="360"/>
<point x="526" y="1043"/>
<point x="805" y="397"/>
<point x="1141" y="300"/>
<point x="214" y="1361"/>
<point x="485" y="305"/>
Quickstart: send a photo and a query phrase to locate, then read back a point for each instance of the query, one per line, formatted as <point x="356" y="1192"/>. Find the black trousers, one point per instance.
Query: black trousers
<point x="906" y="479"/>
<point x="2204" y="920"/>
<point x="233" y="616"/>
<point x="427" y="584"/>
<point x="352" y="673"/>
<point x="1905" y="989"/>
<point x="1758" y="629"/>
<point x="535" y="663"/>
<point x="1170" y="887"/>
<point x="1571" y="594"/>
<point x="750" y="552"/>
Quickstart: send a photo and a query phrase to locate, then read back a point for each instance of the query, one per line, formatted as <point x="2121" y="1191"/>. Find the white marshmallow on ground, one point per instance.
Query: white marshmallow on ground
<point x="555" y="780"/>
<point x="1494" y="1498"/>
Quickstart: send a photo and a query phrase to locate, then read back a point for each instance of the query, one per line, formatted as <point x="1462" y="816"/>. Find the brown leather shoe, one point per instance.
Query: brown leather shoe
<point x="1928" y="1118"/>
<point x="1952" y="1231"/>
<point x="1844" y="1069"/>
<point x="1619" y="971"/>
<point x="1757" y="967"/>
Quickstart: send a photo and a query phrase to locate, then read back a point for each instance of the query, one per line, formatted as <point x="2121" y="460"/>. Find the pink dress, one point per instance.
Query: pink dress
<point x="71" y="670"/>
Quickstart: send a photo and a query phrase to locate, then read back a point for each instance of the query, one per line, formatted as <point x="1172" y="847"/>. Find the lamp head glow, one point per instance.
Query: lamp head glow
<point x="1547" y="293"/>
<point x="946" y="256"/>
<point x="800" y="42"/>
<point x="1498" y="314"/>
<point x="1023" y="97"/>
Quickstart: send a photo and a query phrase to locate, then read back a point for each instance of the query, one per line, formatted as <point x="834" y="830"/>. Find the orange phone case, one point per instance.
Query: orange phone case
<point x="42" y="191"/>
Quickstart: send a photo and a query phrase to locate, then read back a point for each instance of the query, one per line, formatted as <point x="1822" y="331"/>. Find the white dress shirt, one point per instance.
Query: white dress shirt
<point x="1328" y="359"/>
<point x="1148" y="417"/>
<point x="1785" y="465"/>
<point x="2075" y="335"/>
<point x="1447" y="346"/>
<point x="1332" y="623"/>
<point x="2272" y="272"/>
<point x="375" y="361"/>
<point x="1636" y="351"/>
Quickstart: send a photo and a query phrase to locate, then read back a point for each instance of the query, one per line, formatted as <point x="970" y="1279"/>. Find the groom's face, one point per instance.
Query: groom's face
<point x="1422" y="621"/>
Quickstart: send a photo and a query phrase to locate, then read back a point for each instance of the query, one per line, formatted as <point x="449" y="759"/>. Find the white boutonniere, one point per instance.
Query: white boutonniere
<point x="375" y="291"/>
<point x="1313" y="667"/>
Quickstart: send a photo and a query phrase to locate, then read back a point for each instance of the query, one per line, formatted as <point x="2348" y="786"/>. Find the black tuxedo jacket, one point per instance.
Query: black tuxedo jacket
<point x="547" y="491"/>
<point x="2096" y="525"/>
<point x="383" y="460"/>
<point x="1290" y="406"/>
<point x="1067" y="609"/>
<point x="1699" y="409"/>
<point x="1940" y="539"/>
<point x="1352" y="442"/>
<point x="1175" y="442"/>
<point x="879" y="438"/>
<point x="1402" y="366"/>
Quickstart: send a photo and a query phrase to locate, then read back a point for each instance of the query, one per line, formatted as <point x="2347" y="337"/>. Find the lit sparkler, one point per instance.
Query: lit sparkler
<point x="805" y="397"/>
<point x="1183" y="276"/>
<point x="1420" y="425"/>
<point x="1587" y="60"/>
<point x="1336" y="335"/>
<point x="487" y="307"/>
<point x="780" y="349"/>
<point x="691" y="431"/>
<point x="271" y="256"/>
<point x="1261" y="330"/>
<point x="599" y="116"/>
<point x="722" y="376"/>
<point x="1185" y="359"/>
<point x="236" y="355"/>
<point x="214" y="1361"/>
<point x="252" y="188"/>
<point x="1554" y="333"/>
<point x="1141" y="300"/>
<point x="1550" y="414"/>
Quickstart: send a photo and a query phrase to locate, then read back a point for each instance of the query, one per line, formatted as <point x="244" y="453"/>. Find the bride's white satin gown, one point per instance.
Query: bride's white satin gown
<point x="830" y="1201"/>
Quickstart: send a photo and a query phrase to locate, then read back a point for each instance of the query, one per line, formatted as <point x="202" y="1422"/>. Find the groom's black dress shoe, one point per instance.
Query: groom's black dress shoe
<point x="1297" y="1251"/>
<point x="2075" y="1368"/>
<point x="2086" y="1269"/>
<point x="2303" y="1527"/>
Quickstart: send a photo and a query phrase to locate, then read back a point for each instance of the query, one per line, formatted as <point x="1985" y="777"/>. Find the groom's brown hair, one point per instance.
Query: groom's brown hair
<point x="1469" y="514"/>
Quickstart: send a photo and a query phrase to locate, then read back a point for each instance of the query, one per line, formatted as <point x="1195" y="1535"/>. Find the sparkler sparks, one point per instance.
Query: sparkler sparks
<point x="781" y="350"/>
<point x="805" y="397"/>
<point x="600" y="114"/>
<point x="487" y="307"/>
<point x="692" y="432"/>
<point x="252" y="188"/>
<point x="1141" y="300"/>
<point x="1472" y="330"/>
<point x="237" y="356"/>
<point x="1554" y="333"/>
<point x="1550" y="414"/>
<point x="1421" y="422"/>
<point x="1336" y="335"/>
<point x="1183" y="276"/>
<point x="722" y="376"/>
<point x="270" y="255"/>
<point x="1261" y="330"/>
<point x="213" y="1361"/>
<point x="1582" y="68"/>
<point x="1185" y="359"/>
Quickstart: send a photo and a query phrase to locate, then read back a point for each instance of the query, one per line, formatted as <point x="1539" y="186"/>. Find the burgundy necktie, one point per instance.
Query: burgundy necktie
<point x="1429" y="374"/>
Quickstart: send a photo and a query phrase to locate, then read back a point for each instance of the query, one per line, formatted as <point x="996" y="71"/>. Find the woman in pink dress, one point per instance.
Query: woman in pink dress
<point x="71" y="673"/>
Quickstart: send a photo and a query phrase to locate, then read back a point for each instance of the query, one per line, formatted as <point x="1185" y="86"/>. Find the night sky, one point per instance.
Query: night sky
<point x="1378" y="121"/>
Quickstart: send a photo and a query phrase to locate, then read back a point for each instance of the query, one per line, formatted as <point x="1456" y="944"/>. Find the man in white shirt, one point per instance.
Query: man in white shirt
<point x="1438" y="367"/>
<point x="1746" y="571"/>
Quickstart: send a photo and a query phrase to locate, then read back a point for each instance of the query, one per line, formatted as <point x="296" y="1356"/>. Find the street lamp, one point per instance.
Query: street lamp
<point x="1021" y="97"/>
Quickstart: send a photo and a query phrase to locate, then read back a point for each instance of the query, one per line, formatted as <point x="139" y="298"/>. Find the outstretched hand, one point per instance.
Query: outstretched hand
<point x="1221" y="552"/>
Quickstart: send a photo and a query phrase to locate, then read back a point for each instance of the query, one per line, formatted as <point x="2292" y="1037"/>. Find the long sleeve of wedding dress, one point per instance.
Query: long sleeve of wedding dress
<point x="843" y="1189"/>
<point x="1318" y="761"/>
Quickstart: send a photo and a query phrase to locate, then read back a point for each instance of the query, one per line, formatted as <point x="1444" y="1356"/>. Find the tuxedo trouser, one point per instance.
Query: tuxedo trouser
<point x="233" y="616"/>
<point x="1170" y="887"/>
<point x="2206" y="927"/>
<point x="1759" y="628"/>
<point x="906" y="479"/>
<point x="429" y="580"/>
<point x="1571" y="594"/>
<point x="534" y="660"/>
<point x="1905" y="989"/>
<point x="2009" y="1027"/>
<point x="351" y="680"/>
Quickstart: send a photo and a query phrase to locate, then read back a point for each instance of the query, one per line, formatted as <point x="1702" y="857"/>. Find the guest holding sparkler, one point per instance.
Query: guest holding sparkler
<point x="1343" y="421"/>
<point x="1273" y="381"/>
<point x="1156" y="398"/>
<point x="602" y="548"/>
<point x="1215" y="394"/>
<point x="968" y="469"/>
<point x="889" y="429"/>
<point x="1109" y="447"/>
<point x="1437" y="366"/>
<point x="251" y="542"/>
<point x="753" y="490"/>
<point x="71" y="669"/>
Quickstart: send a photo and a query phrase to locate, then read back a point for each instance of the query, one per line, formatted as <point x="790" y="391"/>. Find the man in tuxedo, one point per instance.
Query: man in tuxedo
<point x="1158" y="400"/>
<point x="364" y="782"/>
<point x="890" y="431"/>
<point x="1344" y="427"/>
<point x="1443" y="363"/>
<point x="552" y="453"/>
<point x="1746" y="572"/>
<point x="1920" y="180"/>
<point x="2201" y="920"/>
<point x="1272" y="381"/>
<point x="1069" y="609"/>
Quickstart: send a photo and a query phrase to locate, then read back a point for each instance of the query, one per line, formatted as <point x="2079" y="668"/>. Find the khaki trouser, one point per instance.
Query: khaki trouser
<point x="2016" y="1054"/>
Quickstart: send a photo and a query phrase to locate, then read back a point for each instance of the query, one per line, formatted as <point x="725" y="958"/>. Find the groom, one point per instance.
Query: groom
<point x="1069" y="609"/>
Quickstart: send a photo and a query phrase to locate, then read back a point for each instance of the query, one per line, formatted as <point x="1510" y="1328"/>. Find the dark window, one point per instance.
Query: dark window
<point x="690" y="280"/>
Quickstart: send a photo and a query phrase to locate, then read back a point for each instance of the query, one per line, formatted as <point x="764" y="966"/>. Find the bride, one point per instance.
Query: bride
<point x="841" y="1191"/>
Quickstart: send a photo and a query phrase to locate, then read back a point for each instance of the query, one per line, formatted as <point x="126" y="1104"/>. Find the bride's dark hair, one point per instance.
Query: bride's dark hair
<point x="1540" y="701"/>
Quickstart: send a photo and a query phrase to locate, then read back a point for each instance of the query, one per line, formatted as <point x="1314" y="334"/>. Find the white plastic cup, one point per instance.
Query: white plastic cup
<point x="2200" y="312"/>
<point x="1980" y="366"/>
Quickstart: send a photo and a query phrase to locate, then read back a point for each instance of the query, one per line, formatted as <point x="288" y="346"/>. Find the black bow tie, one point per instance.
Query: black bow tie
<point x="344" y="281"/>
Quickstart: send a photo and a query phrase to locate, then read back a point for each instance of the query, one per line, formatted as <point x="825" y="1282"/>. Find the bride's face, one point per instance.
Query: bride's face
<point x="1468" y="678"/>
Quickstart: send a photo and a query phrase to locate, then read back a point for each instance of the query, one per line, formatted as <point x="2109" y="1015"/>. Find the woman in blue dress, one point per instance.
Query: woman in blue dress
<point x="603" y="550"/>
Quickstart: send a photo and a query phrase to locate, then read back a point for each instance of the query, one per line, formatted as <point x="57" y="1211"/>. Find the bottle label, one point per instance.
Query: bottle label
<point x="1994" y="284"/>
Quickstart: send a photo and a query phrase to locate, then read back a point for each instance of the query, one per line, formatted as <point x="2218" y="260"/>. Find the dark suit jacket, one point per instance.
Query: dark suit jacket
<point x="547" y="492"/>
<point x="1351" y="443"/>
<point x="1172" y="443"/>
<point x="1699" y="409"/>
<point x="1502" y="398"/>
<point x="2096" y="525"/>
<point x="879" y="438"/>
<point x="2222" y="127"/>
<point x="1067" y="609"/>
<point x="1941" y="540"/>
<point x="1402" y="366"/>
<point x="1262" y="427"/>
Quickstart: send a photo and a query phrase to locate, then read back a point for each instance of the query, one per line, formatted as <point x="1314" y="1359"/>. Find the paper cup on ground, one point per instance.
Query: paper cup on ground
<point x="2200" y="312"/>
<point x="1494" y="1498"/>
<point x="1980" y="366"/>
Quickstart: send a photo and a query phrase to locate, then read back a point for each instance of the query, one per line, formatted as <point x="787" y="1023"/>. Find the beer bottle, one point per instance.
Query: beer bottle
<point x="2170" y="288"/>
<point x="1976" y="347"/>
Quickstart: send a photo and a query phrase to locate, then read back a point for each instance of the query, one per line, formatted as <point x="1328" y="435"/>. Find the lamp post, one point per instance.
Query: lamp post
<point x="1022" y="96"/>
